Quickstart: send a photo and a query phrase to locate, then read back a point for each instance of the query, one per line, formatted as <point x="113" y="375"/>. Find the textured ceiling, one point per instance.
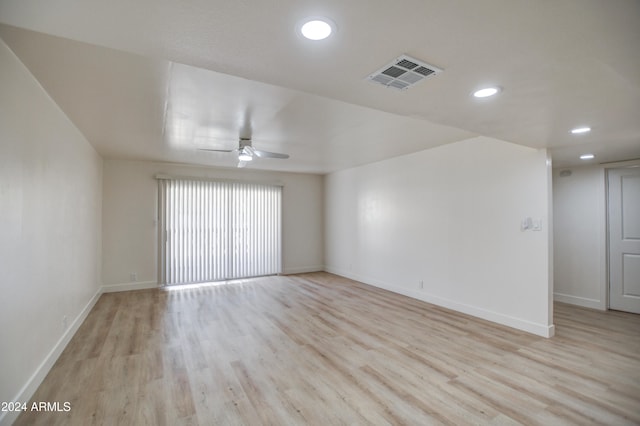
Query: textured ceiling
<point x="156" y="80"/>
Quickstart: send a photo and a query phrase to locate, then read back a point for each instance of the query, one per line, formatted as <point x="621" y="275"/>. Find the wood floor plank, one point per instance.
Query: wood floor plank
<point x="320" y="349"/>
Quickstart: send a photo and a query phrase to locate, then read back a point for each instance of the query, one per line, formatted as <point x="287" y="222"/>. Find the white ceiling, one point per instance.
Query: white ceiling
<point x="156" y="80"/>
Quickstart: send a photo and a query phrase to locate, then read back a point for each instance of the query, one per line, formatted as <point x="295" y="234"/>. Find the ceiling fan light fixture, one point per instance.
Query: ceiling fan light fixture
<point x="245" y="157"/>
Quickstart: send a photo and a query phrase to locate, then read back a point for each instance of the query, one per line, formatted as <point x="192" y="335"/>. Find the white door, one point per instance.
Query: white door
<point x="624" y="239"/>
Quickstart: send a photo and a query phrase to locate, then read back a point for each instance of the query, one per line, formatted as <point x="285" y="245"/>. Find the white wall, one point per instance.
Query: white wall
<point x="130" y="212"/>
<point x="50" y="219"/>
<point x="450" y="217"/>
<point x="579" y="210"/>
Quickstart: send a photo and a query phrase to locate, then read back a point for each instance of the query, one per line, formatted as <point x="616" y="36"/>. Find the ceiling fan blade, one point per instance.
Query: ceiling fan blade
<point x="216" y="150"/>
<point x="267" y="154"/>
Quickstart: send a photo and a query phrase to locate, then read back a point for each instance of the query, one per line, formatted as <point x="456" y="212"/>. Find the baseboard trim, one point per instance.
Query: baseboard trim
<point x="29" y="389"/>
<point x="138" y="285"/>
<point x="513" y="322"/>
<point x="579" y="301"/>
<point x="302" y="270"/>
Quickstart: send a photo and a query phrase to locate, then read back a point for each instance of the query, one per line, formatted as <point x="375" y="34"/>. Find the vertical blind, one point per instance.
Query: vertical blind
<point x="217" y="230"/>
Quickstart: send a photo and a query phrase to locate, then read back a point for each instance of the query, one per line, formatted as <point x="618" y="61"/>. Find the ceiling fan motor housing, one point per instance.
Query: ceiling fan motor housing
<point x="244" y="142"/>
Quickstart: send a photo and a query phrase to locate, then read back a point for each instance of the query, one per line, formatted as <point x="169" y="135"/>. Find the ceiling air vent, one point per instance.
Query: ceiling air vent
<point x="403" y="73"/>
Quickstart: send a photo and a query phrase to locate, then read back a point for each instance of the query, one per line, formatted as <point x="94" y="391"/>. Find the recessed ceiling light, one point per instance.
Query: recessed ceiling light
<point x="486" y="92"/>
<point x="579" y="130"/>
<point x="587" y="157"/>
<point x="317" y="28"/>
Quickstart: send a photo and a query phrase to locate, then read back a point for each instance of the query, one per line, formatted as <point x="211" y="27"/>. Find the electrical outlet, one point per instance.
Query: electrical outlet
<point x="65" y="323"/>
<point x="133" y="276"/>
<point x="421" y="284"/>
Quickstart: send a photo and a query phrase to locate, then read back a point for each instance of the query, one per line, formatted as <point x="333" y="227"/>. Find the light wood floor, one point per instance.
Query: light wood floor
<point x="322" y="350"/>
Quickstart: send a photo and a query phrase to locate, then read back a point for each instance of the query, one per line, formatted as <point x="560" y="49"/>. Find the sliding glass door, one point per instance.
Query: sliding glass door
<point x="217" y="230"/>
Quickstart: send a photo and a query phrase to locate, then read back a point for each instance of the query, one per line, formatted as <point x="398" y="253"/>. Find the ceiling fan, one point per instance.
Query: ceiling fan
<point x="246" y="152"/>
